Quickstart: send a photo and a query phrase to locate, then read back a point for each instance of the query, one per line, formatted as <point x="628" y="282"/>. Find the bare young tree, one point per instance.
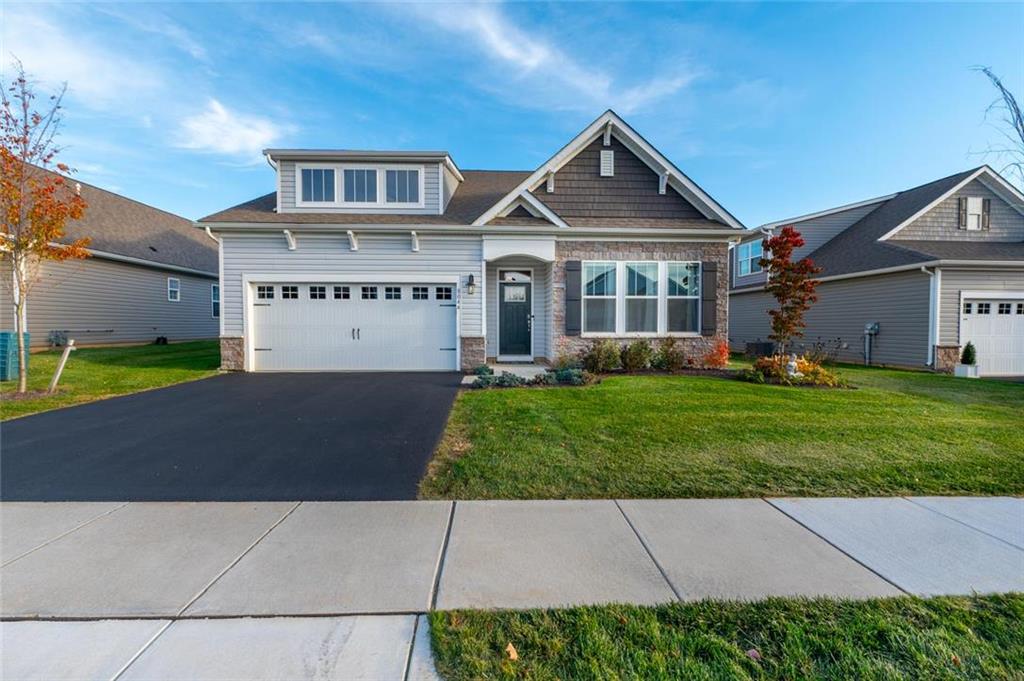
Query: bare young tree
<point x="36" y="200"/>
<point x="1010" y="124"/>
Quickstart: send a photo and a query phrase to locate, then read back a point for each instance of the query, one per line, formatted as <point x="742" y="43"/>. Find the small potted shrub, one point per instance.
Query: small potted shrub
<point x="968" y="367"/>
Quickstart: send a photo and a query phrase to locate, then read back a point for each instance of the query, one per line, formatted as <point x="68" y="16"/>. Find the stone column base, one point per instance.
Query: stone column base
<point x="946" y="357"/>
<point x="232" y="354"/>
<point x="473" y="351"/>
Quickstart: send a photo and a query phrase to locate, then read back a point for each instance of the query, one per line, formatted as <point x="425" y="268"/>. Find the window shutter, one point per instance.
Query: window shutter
<point x="573" y="297"/>
<point x="986" y="209"/>
<point x="961" y="209"/>
<point x="708" y="298"/>
<point x="607" y="163"/>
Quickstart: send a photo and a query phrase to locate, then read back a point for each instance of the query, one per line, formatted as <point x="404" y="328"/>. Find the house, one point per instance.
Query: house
<point x="151" y="274"/>
<point x="400" y="260"/>
<point x="933" y="267"/>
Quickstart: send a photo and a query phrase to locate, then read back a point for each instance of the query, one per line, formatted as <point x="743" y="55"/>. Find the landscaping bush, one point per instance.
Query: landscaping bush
<point x="483" y="370"/>
<point x="669" y="356"/>
<point x="573" y="377"/>
<point x="602" y="357"/>
<point x="637" y="355"/>
<point x="547" y="378"/>
<point x="773" y="369"/>
<point x="718" y="356"/>
<point x="969" y="355"/>
<point x="567" y="361"/>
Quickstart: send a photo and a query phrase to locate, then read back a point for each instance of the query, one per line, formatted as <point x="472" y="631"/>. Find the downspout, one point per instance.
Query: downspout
<point x="277" y="183"/>
<point x="934" y="285"/>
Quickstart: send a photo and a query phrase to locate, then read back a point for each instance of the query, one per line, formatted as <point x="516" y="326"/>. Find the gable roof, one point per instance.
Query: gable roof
<point x="478" y="191"/>
<point x="121" y="226"/>
<point x="607" y="124"/>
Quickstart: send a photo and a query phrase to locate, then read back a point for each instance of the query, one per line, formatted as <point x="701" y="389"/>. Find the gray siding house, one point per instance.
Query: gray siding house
<point x="150" y="274"/>
<point x="400" y="260"/>
<point x="934" y="266"/>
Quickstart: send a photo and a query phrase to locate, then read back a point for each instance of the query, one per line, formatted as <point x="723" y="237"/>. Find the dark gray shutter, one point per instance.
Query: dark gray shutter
<point x="708" y="298"/>
<point x="573" y="297"/>
<point x="986" y="210"/>
<point x="961" y="210"/>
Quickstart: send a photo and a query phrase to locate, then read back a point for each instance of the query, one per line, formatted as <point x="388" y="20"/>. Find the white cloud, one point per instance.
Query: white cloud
<point x="547" y="72"/>
<point x="96" y="77"/>
<point x="157" y="23"/>
<point x="220" y="130"/>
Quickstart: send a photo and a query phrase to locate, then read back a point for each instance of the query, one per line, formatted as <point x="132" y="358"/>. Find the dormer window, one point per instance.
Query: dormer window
<point x="360" y="185"/>
<point x="318" y="185"/>
<point x="403" y="186"/>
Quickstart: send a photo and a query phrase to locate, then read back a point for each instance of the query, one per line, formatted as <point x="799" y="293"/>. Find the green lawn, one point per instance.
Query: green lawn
<point x="96" y="373"/>
<point x="899" y="638"/>
<point x="899" y="432"/>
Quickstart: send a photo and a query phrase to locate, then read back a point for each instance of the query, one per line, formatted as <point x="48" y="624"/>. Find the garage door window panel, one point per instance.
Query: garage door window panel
<point x="443" y="293"/>
<point x="369" y="293"/>
<point x="392" y="293"/>
<point x="420" y="293"/>
<point x="984" y="308"/>
<point x="342" y="293"/>
<point x="290" y="292"/>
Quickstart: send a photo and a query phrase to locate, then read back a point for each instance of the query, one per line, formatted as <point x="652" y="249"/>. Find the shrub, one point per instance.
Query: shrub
<point x="637" y="355"/>
<point x="484" y="381"/>
<point x="774" y="369"/>
<point x="718" y="356"/>
<point x="751" y="376"/>
<point x="602" y="357"/>
<point x="567" y="361"/>
<point x="547" y="378"/>
<point x="573" y="377"/>
<point x="483" y="370"/>
<point x="509" y="380"/>
<point x="969" y="355"/>
<point x="669" y="356"/>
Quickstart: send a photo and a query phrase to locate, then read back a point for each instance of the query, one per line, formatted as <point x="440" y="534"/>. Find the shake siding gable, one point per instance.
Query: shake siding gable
<point x="941" y="222"/>
<point x="329" y="254"/>
<point x="581" y="192"/>
<point x="898" y="302"/>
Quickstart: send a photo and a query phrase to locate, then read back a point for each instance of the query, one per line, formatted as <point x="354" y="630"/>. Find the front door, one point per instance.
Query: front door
<point x="515" y="318"/>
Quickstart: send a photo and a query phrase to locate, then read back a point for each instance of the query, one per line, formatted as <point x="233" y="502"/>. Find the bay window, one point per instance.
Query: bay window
<point x="657" y="298"/>
<point x="599" y="297"/>
<point x="641" y="297"/>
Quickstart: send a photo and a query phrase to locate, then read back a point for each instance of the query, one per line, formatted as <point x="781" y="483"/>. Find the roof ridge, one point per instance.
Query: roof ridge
<point x="113" y="193"/>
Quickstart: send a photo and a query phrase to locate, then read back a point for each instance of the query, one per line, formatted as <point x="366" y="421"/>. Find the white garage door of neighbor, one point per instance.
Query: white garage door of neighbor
<point x="368" y="327"/>
<point x="996" y="327"/>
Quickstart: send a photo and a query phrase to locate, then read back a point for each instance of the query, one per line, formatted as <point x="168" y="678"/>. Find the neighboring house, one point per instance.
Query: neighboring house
<point x="150" y="274"/>
<point x="934" y="266"/>
<point x="380" y="260"/>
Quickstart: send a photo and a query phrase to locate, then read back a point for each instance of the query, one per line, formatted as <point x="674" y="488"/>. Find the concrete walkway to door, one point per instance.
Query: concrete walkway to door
<point x="136" y="583"/>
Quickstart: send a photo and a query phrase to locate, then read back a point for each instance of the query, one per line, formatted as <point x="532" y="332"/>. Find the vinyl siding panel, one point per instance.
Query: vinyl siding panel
<point x="541" y="303"/>
<point x="898" y="302"/>
<point x="98" y="301"/>
<point x="431" y="193"/>
<point x="955" y="281"/>
<point x="329" y="254"/>
<point x="580" y="191"/>
<point x="940" y="223"/>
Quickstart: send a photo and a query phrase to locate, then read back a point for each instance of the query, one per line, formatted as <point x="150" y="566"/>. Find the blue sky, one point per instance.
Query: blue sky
<point x="775" y="109"/>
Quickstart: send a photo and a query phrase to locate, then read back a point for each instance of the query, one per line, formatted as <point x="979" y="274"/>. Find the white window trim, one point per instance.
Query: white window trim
<point x="299" y="167"/>
<point x="979" y="203"/>
<point x="215" y="288"/>
<point x="749" y="259"/>
<point x="621" y="286"/>
<point x="176" y="288"/>
<point x="339" y="185"/>
<point x="658" y="298"/>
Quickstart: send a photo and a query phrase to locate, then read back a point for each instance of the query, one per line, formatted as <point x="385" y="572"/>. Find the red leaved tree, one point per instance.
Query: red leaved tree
<point x="792" y="284"/>
<point x="35" y="199"/>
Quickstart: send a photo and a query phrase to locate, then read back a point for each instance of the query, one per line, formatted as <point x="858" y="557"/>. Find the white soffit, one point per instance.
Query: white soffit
<point x="542" y="248"/>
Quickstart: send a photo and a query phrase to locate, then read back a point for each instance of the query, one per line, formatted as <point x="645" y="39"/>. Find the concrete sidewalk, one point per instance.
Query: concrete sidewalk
<point x="328" y="579"/>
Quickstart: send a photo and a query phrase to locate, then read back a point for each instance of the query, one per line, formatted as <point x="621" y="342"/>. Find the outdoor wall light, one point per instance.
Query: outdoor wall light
<point x="471" y="285"/>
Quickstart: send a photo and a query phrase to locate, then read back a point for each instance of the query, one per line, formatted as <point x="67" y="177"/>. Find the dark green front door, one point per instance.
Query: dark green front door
<point x="514" y="304"/>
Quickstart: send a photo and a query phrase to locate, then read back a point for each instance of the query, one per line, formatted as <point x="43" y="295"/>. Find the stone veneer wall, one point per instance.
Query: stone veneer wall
<point x="473" y="351"/>
<point x="946" y="357"/>
<point x="232" y="354"/>
<point x="695" y="347"/>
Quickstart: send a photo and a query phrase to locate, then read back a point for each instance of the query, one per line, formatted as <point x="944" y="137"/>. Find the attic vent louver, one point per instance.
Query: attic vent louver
<point x="607" y="163"/>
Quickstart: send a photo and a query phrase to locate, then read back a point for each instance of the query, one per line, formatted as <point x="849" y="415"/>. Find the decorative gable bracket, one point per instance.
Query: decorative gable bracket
<point x="291" y="239"/>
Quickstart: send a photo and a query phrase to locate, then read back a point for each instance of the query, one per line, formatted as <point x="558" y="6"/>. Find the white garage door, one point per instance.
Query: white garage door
<point x="996" y="327"/>
<point x="336" y="327"/>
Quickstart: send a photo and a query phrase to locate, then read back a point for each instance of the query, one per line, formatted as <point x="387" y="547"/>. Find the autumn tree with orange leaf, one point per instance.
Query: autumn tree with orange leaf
<point x="36" y="199"/>
<point x="792" y="283"/>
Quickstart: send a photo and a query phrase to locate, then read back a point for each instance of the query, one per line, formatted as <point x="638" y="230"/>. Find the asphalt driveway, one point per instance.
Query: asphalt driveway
<point x="236" y="437"/>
